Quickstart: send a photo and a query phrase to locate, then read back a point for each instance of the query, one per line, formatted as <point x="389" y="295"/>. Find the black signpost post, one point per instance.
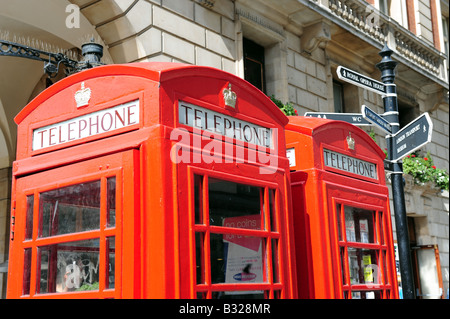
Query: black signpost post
<point x="387" y="67"/>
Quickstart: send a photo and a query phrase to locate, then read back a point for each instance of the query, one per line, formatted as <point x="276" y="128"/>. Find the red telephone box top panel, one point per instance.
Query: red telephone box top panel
<point x="114" y="99"/>
<point x="333" y="146"/>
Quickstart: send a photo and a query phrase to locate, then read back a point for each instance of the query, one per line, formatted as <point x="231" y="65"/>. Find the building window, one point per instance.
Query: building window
<point x="254" y="71"/>
<point x="384" y="6"/>
<point x="398" y="10"/>
<point x="445" y="36"/>
<point x="406" y="113"/>
<point x="338" y="96"/>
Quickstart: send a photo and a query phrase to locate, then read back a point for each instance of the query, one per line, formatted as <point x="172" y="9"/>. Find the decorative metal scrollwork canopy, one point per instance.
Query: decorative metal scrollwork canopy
<point x="92" y="53"/>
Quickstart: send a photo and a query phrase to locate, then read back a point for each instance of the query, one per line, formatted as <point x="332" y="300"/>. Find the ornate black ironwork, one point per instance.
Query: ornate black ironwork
<point x="92" y="53"/>
<point x="92" y="56"/>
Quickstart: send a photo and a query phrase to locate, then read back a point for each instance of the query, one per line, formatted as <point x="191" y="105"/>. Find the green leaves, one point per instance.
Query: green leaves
<point x="423" y="170"/>
<point x="287" y="108"/>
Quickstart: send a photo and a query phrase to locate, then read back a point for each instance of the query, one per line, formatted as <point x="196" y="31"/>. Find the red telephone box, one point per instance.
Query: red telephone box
<point x="151" y="180"/>
<point x="343" y="233"/>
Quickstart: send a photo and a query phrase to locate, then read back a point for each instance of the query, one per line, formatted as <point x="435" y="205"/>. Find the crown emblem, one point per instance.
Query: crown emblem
<point x="350" y="141"/>
<point x="229" y="97"/>
<point x="82" y="96"/>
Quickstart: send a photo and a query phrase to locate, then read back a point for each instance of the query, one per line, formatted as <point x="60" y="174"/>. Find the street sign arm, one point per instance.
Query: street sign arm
<point x="360" y="80"/>
<point x="376" y="119"/>
<point x="352" y="118"/>
<point x="412" y="137"/>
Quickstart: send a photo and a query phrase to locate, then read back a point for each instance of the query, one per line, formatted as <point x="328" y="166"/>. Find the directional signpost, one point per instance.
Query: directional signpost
<point x="376" y="119"/>
<point x="399" y="142"/>
<point x="360" y="80"/>
<point x="355" y="118"/>
<point x="412" y="137"/>
<point x="352" y="118"/>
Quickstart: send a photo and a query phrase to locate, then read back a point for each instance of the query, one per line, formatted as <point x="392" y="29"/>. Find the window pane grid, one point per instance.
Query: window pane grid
<point x="61" y="224"/>
<point x="69" y="209"/>
<point x="29" y="217"/>
<point x="216" y="244"/>
<point x="27" y="272"/>
<point x="362" y="254"/>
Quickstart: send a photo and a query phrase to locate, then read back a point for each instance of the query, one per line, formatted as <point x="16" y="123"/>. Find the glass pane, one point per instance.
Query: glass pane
<point x="111" y="262"/>
<point x="254" y="73"/>
<point x="29" y="221"/>
<point x="237" y="259"/>
<point x="381" y="229"/>
<point x="275" y="259"/>
<point x="218" y="257"/>
<point x="26" y="271"/>
<point x="42" y="285"/>
<point x="339" y="216"/>
<point x="111" y="201"/>
<point x="199" y="257"/>
<point x="72" y="266"/>
<point x="234" y="205"/>
<point x="338" y="97"/>
<point x="344" y="271"/>
<point x="198" y="199"/>
<point x="363" y="264"/>
<point x="359" y="225"/>
<point x="386" y="276"/>
<point x="254" y="63"/>
<point x="71" y="209"/>
<point x="272" y="206"/>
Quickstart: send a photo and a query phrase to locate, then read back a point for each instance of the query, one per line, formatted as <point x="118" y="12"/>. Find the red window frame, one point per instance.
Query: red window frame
<point x="381" y="246"/>
<point x="27" y="244"/>
<point x="272" y="287"/>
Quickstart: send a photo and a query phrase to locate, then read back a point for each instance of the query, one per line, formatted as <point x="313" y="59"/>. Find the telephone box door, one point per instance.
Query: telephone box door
<point x="74" y="231"/>
<point x="237" y="231"/>
<point x="362" y="259"/>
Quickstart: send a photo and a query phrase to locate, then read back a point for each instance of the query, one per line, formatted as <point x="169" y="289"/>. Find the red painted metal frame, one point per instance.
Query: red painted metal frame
<point x="119" y="165"/>
<point x="383" y="242"/>
<point x="154" y="242"/>
<point x="245" y="176"/>
<point x="316" y="189"/>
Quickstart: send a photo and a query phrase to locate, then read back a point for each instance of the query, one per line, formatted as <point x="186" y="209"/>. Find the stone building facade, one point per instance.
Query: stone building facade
<point x="289" y="48"/>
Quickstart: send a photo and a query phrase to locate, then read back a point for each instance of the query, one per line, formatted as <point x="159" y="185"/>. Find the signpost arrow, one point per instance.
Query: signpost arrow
<point x="360" y="80"/>
<point x="352" y="118"/>
<point x="412" y="137"/>
<point x="376" y="119"/>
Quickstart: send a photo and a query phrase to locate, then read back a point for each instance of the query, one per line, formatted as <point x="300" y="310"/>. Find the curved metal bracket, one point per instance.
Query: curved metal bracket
<point x="52" y="60"/>
<point x="92" y="54"/>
